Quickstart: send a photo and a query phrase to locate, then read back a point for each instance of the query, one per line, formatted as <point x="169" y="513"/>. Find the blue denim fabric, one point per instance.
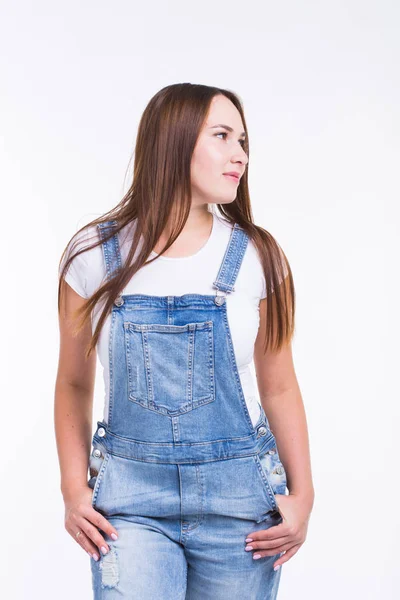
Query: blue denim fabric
<point x="179" y="469"/>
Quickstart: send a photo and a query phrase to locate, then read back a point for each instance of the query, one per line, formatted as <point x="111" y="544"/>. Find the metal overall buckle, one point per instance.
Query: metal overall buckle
<point x="220" y="298"/>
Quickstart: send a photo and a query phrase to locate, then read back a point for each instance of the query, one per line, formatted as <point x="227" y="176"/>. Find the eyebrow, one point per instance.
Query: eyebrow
<point x="243" y="134"/>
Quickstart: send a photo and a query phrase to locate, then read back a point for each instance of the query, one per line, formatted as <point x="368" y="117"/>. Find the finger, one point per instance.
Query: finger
<point x="276" y="531"/>
<point x="96" y="539"/>
<point x="288" y="554"/>
<point x="272" y="551"/>
<point x="83" y="541"/>
<point x="92" y="515"/>
<point x="268" y="544"/>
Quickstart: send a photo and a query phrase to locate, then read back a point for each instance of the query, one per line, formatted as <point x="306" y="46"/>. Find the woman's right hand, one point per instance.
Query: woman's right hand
<point x="81" y="516"/>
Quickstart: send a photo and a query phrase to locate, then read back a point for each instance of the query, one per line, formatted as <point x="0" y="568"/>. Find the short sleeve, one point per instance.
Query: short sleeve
<point x="76" y="275"/>
<point x="263" y="286"/>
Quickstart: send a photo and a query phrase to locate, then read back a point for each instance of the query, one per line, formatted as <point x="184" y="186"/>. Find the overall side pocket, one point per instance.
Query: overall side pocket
<point x="97" y="465"/>
<point x="273" y="474"/>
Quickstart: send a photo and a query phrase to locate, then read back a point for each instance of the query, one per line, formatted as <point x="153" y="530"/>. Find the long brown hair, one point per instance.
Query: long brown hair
<point x="161" y="193"/>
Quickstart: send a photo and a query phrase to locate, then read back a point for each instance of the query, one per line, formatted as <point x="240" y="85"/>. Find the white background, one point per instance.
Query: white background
<point x="320" y="86"/>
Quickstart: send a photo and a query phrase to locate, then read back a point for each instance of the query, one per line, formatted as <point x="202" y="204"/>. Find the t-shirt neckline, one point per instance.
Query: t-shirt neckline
<point x="200" y="251"/>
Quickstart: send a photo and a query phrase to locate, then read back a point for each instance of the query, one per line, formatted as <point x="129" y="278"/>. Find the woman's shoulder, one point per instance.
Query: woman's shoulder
<point x="86" y="271"/>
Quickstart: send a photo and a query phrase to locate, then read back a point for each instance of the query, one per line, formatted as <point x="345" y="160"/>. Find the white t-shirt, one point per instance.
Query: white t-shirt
<point x="168" y="276"/>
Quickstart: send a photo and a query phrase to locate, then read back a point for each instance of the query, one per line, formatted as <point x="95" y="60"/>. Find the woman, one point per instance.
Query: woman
<point x="187" y="490"/>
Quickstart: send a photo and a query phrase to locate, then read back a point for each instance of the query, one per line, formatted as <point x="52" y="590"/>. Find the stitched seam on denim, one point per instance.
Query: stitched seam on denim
<point x="236" y="371"/>
<point x="220" y="280"/>
<point x="148" y="401"/>
<point x="237" y="244"/>
<point x="241" y="250"/>
<point x="180" y="444"/>
<point x="111" y="248"/>
<point x="99" y="479"/>
<point x="189" y="461"/>
<point x="111" y="369"/>
<point x="267" y="485"/>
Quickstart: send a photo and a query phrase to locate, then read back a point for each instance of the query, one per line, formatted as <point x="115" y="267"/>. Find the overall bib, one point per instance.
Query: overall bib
<point x="179" y="469"/>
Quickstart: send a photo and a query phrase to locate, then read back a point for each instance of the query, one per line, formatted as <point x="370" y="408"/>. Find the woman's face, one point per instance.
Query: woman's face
<point x="218" y="151"/>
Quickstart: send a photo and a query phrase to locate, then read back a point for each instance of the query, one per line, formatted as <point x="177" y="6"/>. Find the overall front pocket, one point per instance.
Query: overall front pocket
<point x="170" y="368"/>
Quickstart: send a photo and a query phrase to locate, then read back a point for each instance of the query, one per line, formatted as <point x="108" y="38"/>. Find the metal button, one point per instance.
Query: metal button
<point x="262" y="430"/>
<point x="272" y="451"/>
<point x="119" y="301"/>
<point x="219" y="300"/>
<point x="278" y="470"/>
<point x="97" y="452"/>
<point x="101" y="432"/>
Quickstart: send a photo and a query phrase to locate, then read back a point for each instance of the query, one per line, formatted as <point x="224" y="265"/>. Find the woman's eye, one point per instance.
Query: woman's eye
<point x="242" y="142"/>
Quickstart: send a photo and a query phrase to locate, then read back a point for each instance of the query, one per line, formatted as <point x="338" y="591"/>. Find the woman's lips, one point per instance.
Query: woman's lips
<point x="232" y="177"/>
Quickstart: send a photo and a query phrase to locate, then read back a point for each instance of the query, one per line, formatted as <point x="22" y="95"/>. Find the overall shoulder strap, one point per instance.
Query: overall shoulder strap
<point x="111" y="249"/>
<point x="232" y="260"/>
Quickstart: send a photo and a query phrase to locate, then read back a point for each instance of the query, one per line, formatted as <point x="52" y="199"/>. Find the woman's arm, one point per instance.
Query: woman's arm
<point x="282" y="402"/>
<point x="73" y="407"/>
<point x="73" y="401"/>
<point x="281" y="399"/>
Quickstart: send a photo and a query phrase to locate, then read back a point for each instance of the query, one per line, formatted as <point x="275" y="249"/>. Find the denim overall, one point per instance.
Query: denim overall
<point x="179" y="469"/>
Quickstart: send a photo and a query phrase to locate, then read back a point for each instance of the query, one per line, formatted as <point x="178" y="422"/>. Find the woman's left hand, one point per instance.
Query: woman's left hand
<point x="286" y="537"/>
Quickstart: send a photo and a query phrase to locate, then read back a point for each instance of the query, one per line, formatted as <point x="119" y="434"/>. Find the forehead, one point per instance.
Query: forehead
<point x="222" y="110"/>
